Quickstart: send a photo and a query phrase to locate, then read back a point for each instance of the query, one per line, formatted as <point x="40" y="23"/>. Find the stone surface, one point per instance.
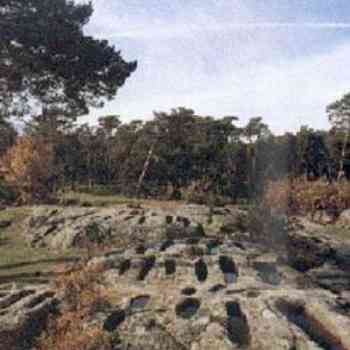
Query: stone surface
<point x="23" y="315"/>
<point x="66" y="227"/>
<point x="344" y="217"/>
<point x="267" y="305"/>
<point x="180" y="280"/>
<point x="307" y="250"/>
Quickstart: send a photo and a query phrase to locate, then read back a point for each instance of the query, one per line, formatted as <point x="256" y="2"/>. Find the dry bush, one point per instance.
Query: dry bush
<point x="278" y="196"/>
<point x="202" y="192"/>
<point x="68" y="333"/>
<point x="28" y="168"/>
<point x="307" y="197"/>
<point x="81" y="287"/>
<point x="197" y="192"/>
<point x="83" y="296"/>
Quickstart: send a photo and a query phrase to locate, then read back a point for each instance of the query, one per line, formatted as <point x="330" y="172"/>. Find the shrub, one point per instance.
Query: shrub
<point x="69" y="202"/>
<point x="278" y="196"/>
<point x="306" y="197"/>
<point x="201" y="192"/>
<point x="28" y="168"/>
<point x="78" y="284"/>
<point x="82" y="296"/>
<point x="96" y="233"/>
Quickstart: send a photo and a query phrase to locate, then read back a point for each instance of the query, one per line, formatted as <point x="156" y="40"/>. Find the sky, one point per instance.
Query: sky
<point x="284" y="60"/>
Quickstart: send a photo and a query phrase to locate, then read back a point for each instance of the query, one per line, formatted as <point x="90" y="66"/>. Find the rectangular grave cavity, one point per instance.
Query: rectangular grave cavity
<point x="170" y="266"/>
<point x="124" y="266"/>
<point x="187" y="308"/>
<point x="147" y="265"/>
<point x="237" y="327"/>
<point x="201" y="270"/>
<point x="228" y="268"/>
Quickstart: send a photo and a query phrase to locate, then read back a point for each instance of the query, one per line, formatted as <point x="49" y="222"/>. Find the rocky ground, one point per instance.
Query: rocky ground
<point x="191" y="277"/>
<point x="64" y="227"/>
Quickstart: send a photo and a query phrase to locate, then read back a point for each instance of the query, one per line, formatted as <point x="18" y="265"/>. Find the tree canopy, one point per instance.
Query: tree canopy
<point x="339" y="117"/>
<point x="47" y="59"/>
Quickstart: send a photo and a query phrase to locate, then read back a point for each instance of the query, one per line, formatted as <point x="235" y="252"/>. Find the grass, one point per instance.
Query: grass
<point x="108" y="200"/>
<point x="95" y="200"/>
<point x="21" y="263"/>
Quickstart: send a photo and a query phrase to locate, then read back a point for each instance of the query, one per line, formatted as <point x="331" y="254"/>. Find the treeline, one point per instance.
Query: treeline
<point x="176" y="155"/>
<point x="47" y="61"/>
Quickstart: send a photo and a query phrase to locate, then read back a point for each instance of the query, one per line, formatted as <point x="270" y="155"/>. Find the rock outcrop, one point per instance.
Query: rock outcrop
<point x="181" y="279"/>
<point x="224" y="294"/>
<point x="23" y="315"/>
<point x="67" y="227"/>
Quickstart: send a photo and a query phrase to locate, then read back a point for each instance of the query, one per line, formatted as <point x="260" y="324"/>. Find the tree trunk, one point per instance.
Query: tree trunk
<point x="145" y="168"/>
<point x="343" y="153"/>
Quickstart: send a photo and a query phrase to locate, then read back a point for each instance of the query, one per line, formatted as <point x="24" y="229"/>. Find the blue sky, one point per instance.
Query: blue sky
<point x="284" y="60"/>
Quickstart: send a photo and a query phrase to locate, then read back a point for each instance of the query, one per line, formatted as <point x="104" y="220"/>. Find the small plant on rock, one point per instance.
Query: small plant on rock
<point x="83" y="295"/>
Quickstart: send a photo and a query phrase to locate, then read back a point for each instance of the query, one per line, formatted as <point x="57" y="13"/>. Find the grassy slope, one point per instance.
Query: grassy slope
<point x="94" y="200"/>
<point x="105" y="200"/>
<point x="20" y="263"/>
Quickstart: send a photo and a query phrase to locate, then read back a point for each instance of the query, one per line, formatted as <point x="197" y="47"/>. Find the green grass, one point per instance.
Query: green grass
<point x="21" y="263"/>
<point x="95" y="200"/>
<point x="108" y="200"/>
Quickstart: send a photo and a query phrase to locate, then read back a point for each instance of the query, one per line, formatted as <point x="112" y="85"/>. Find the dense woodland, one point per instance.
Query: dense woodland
<point x="69" y="261"/>
<point x="51" y="73"/>
<point x="175" y="155"/>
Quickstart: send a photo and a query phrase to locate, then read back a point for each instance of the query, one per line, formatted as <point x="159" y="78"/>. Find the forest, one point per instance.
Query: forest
<point x="175" y="230"/>
<point x="176" y="155"/>
<point x="53" y="75"/>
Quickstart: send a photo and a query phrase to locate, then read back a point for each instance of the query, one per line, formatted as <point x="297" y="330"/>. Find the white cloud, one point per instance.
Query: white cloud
<point x="187" y="30"/>
<point x="226" y="62"/>
<point x="135" y="19"/>
<point x="287" y="94"/>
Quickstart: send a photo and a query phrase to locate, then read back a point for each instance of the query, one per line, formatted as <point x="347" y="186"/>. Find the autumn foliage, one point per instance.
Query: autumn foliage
<point x="83" y="296"/>
<point x="299" y="196"/>
<point x="28" y="168"/>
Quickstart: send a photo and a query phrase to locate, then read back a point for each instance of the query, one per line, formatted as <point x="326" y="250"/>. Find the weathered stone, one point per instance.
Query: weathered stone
<point x="65" y="227"/>
<point x="342" y="255"/>
<point x="196" y="309"/>
<point x="344" y="218"/>
<point x="331" y="277"/>
<point x="23" y="316"/>
<point x="307" y="251"/>
<point x="184" y="290"/>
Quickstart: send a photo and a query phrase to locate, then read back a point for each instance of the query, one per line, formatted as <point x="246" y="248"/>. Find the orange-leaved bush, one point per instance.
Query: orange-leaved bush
<point x="278" y="196"/>
<point x="28" y="166"/>
<point x="299" y="196"/>
<point x="83" y="295"/>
